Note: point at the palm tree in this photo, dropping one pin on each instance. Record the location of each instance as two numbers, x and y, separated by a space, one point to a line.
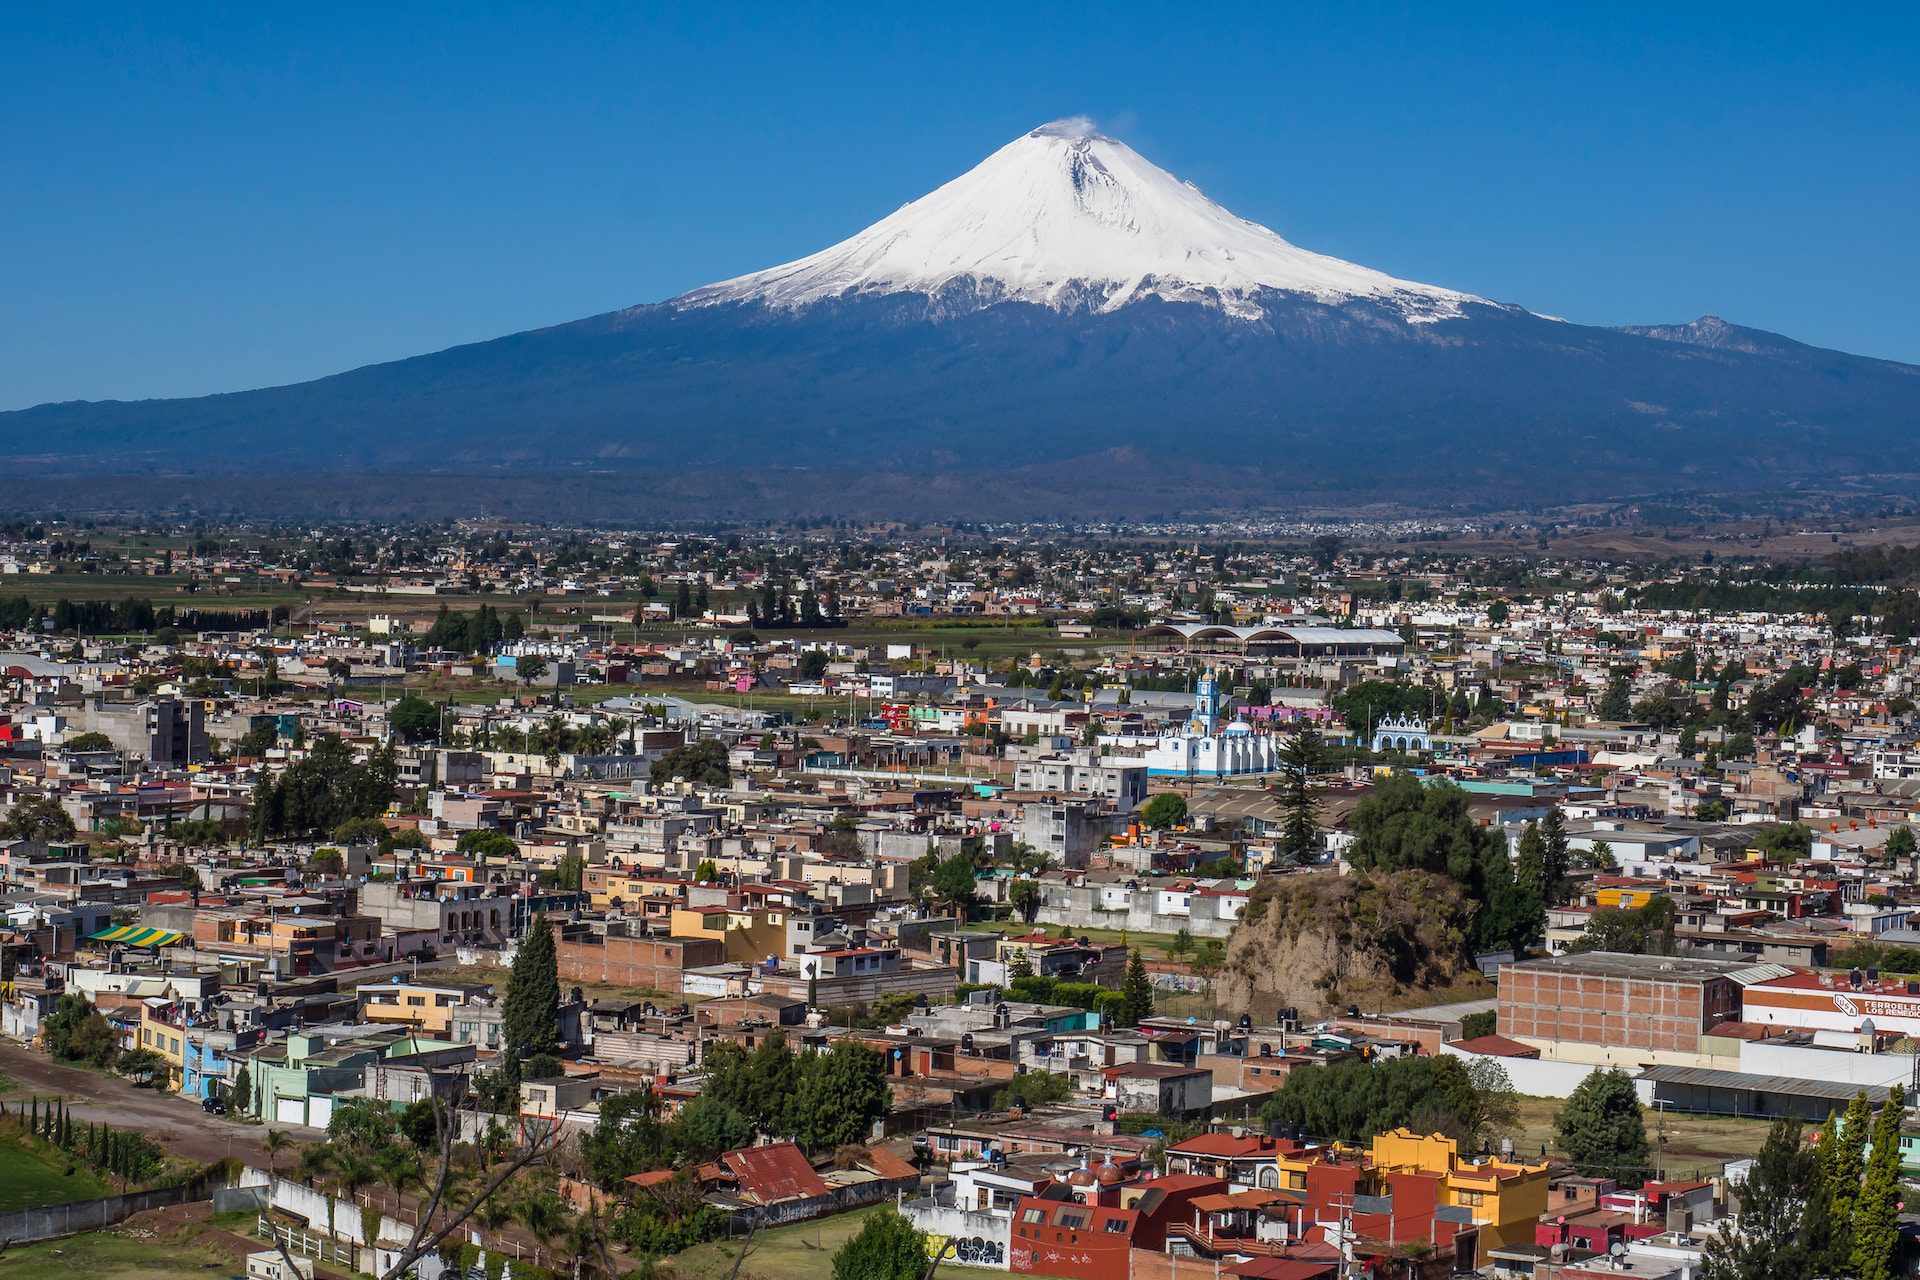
316 1160
543 1214
274 1142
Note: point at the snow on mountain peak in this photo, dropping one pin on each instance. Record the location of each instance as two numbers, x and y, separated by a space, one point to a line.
1068 217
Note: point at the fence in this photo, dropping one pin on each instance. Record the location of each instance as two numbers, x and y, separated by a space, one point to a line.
51 1222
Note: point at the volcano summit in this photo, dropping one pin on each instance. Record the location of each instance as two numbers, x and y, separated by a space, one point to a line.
1064 304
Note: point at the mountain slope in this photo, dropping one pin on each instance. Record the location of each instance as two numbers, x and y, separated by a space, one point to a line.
1063 302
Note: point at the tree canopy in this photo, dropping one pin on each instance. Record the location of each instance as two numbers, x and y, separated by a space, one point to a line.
1602 1131
1406 824
704 761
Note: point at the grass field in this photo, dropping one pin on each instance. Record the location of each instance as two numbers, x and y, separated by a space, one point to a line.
803 1251
1696 1145
497 975
29 1179
111 1254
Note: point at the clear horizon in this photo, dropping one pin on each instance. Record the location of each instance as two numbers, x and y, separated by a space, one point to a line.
212 200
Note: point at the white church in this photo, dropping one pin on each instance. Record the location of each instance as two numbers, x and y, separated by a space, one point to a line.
1202 749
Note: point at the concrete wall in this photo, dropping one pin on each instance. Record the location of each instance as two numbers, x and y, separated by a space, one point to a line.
1537 1078
980 1236
54 1221
1081 908
1867 1069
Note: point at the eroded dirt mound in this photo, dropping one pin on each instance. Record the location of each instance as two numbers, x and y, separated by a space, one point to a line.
1321 941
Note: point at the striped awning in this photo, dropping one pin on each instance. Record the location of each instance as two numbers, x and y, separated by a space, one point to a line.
133 935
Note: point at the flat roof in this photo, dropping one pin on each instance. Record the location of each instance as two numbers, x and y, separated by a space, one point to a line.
1835 1091
1615 964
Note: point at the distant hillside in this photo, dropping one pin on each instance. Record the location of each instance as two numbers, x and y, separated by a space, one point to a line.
1323 941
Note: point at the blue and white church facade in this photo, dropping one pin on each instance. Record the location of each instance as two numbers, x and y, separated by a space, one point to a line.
1203 749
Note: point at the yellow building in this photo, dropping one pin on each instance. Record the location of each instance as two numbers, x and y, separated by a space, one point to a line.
1506 1199
159 1036
427 1007
750 934
1624 899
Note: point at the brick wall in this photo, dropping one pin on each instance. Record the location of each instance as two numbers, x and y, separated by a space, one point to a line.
1638 1012
656 964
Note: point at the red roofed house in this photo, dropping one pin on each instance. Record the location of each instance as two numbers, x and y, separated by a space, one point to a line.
770 1174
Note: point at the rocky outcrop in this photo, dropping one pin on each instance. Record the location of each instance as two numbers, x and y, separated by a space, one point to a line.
1321 941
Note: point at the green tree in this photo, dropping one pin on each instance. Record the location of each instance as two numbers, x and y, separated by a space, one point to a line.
1843 1152
529 667
956 882
887 1247
706 1127
37 817
1407 825
1529 877
1602 1131
1555 859
1137 991
1710 811
838 1096
1616 703
414 719
84 742
1024 897
1876 1213
77 1032
1900 843
530 1012
1784 1229
627 1138
570 872
1299 758
484 842
703 762
1164 811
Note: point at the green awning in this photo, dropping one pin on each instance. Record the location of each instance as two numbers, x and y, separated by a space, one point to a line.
133 935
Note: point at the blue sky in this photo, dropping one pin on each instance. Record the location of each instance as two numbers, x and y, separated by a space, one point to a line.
200 199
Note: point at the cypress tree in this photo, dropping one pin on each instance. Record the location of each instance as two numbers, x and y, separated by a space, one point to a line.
33 1126
1849 1153
1876 1219
1138 991
530 1014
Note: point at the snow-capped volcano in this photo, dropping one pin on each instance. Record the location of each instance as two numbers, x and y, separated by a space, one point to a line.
1072 219
976 352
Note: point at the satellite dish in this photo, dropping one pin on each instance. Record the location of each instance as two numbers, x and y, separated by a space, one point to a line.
1618 1248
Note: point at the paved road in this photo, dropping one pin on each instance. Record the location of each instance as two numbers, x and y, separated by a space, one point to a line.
176 1123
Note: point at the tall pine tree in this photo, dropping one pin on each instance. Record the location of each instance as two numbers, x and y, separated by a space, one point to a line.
1876 1216
1300 822
1530 881
1137 991
1553 861
530 1014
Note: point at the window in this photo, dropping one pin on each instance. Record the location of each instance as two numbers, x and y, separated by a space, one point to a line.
1269 1178
1034 1215
1473 1199
1296 1182
1075 1218
1117 1226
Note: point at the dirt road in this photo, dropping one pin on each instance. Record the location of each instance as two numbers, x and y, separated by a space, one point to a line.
176 1123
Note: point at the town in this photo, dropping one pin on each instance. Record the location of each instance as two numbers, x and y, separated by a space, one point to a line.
1384 899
